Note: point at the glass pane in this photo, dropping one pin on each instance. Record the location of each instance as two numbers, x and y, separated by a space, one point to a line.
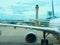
25 9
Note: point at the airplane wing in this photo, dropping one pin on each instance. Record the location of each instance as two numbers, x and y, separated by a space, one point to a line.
44 29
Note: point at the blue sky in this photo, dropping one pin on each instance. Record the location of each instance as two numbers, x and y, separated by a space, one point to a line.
25 9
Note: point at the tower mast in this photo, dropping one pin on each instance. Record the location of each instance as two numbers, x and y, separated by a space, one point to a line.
36 19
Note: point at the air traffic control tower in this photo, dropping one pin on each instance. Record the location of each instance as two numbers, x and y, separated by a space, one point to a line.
36 19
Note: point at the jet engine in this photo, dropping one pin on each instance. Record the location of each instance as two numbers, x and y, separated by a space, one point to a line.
31 37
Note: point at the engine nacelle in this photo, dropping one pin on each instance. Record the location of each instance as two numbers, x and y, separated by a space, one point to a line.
31 37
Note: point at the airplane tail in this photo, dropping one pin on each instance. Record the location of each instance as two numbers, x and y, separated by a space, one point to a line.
53 15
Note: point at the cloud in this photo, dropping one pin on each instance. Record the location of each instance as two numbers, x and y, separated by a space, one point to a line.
26 8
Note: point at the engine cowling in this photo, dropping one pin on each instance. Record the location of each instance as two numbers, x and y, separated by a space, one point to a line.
31 38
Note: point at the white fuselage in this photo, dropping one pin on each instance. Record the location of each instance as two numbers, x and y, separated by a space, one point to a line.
55 23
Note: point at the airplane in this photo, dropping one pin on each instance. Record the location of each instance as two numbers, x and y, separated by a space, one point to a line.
14 33
7 36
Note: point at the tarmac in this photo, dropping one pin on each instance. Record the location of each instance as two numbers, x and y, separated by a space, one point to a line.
17 36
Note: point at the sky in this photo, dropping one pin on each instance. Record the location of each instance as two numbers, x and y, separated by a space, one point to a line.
25 9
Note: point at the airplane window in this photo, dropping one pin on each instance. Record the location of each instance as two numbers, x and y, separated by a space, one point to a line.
25 10
19 17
